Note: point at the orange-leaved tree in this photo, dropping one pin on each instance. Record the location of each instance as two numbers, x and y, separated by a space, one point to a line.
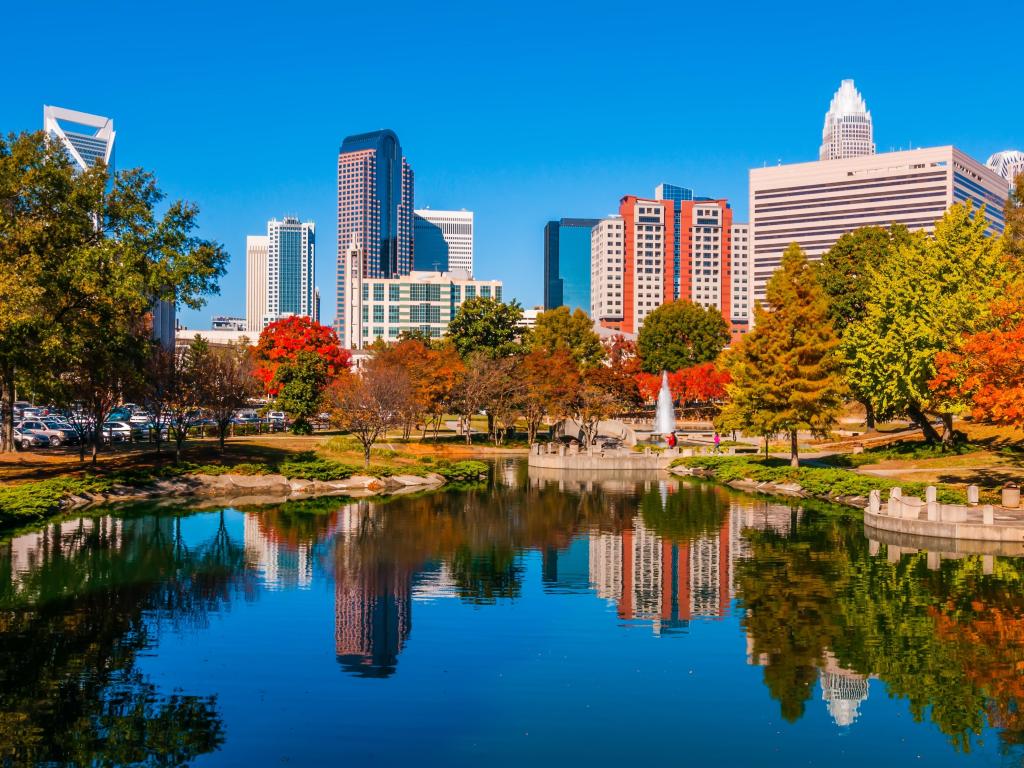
283 340
985 374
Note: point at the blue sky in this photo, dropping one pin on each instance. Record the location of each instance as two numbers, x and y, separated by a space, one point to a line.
521 112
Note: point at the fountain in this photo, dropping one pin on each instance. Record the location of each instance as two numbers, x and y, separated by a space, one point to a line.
665 415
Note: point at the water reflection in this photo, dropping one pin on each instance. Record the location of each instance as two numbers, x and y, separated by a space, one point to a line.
826 614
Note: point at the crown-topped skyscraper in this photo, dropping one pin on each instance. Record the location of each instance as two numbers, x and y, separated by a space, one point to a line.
848 131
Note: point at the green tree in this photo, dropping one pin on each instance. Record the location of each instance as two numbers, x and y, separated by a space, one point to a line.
787 371
300 387
229 384
92 256
845 274
559 329
926 295
1013 235
485 325
679 335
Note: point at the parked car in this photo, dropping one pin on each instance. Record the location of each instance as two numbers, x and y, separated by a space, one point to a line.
27 439
117 431
140 417
57 434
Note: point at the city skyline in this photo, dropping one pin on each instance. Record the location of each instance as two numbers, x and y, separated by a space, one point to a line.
522 154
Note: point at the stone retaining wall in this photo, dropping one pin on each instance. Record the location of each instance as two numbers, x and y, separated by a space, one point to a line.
928 517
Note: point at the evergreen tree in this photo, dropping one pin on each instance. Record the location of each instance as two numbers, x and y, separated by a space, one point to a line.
559 329
485 325
787 371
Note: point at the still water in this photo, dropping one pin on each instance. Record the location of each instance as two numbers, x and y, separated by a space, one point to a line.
534 620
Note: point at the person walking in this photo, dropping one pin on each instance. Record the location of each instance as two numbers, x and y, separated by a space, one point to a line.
718 441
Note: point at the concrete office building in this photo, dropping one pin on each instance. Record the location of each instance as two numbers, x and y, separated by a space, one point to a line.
607 266
255 282
375 209
814 203
848 131
567 264
742 274
443 241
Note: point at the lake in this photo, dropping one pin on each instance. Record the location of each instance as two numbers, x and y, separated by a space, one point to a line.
533 620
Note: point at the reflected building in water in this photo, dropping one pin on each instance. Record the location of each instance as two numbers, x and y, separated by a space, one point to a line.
280 564
66 540
842 690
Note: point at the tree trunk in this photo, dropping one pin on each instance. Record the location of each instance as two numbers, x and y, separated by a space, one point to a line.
468 429
766 446
366 455
794 451
223 436
7 408
869 418
918 417
948 435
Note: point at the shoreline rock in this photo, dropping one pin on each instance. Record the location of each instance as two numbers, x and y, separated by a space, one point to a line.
748 485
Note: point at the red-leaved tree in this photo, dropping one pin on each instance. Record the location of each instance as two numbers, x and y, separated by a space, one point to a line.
284 339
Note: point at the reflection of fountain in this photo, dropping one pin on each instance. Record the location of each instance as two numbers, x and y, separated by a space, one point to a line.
665 414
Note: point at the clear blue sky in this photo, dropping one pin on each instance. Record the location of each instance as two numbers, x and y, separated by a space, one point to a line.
521 112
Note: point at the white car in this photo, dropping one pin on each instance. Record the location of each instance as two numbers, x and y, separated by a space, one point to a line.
140 418
117 431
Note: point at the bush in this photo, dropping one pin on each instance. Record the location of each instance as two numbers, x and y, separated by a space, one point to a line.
461 471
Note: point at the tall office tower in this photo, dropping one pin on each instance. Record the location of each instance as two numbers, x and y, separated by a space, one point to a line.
375 210
672 192
86 138
814 203
291 275
567 263
1009 164
255 282
848 131
705 256
647 236
607 266
443 241
316 304
742 272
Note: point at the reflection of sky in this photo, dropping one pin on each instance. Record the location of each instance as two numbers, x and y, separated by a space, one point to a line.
554 676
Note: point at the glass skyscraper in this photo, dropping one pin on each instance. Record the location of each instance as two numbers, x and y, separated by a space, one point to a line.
291 273
375 207
567 263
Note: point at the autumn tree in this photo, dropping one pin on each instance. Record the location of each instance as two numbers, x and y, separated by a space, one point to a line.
680 334
550 380
283 340
369 403
559 329
229 384
185 390
786 373
926 296
486 325
597 398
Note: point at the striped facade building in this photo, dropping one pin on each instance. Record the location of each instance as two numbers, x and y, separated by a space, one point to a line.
813 204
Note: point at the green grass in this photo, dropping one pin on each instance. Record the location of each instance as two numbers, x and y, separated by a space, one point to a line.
821 482
908 451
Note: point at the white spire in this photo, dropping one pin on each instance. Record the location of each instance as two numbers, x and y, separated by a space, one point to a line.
848 130
1009 164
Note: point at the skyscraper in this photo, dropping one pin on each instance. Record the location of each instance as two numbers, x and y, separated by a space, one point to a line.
567 263
1009 164
443 241
375 209
255 282
291 273
848 131
86 138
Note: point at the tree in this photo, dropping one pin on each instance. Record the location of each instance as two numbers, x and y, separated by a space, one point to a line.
368 404
299 384
283 340
1013 234
986 372
559 329
474 390
595 400
845 275
158 381
185 389
550 382
485 325
680 334
229 384
786 373
927 295
92 257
